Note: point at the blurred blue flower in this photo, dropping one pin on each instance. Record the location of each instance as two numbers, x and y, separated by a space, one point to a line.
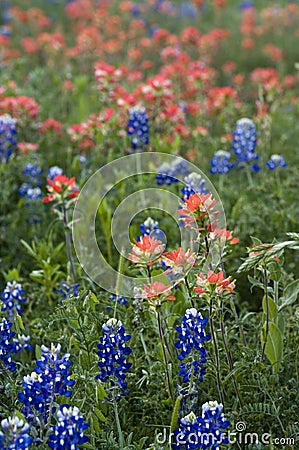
275 161
12 298
113 352
188 9
121 300
69 431
138 128
6 347
191 345
246 4
220 163
33 172
8 134
15 434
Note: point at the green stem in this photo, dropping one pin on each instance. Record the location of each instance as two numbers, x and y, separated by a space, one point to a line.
119 273
164 354
276 292
149 274
68 242
120 434
228 352
267 312
235 312
216 352
189 292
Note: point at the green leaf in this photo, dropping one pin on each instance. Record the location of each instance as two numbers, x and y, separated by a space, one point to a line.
95 423
18 324
38 352
255 282
275 271
12 275
290 295
100 415
272 308
100 393
175 414
255 240
274 345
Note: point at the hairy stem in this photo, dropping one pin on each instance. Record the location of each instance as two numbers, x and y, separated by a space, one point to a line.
164 354
120 434
267 311
68 243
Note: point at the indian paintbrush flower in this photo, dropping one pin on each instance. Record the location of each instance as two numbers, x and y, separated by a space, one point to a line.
146 250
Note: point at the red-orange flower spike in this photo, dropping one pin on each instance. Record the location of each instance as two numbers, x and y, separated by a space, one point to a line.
156 292
196 207
61 187
214 283
146 250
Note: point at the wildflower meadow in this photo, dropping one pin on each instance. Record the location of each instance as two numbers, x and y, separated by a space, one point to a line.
149 235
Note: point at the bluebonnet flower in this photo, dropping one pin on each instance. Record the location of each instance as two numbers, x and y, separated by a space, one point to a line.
54 171
12 298
113 352
68 434
6 347
148 226
194 184
138 128
8 134
33 172
168 173
244 141
21 342
276 161
15 435
220 163
68 290
202 432
49 379
191 345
